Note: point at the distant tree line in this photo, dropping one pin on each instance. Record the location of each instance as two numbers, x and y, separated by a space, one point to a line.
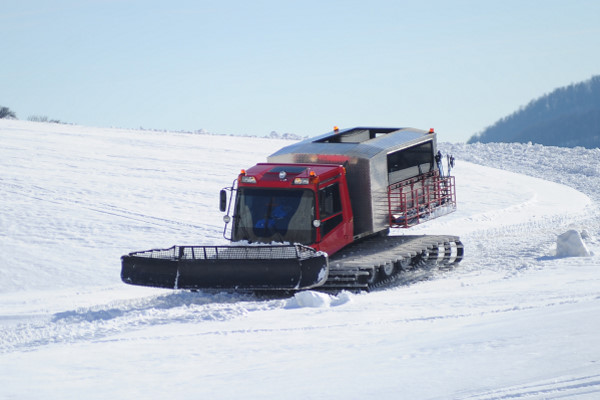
7 113
567 117
42 118
286 136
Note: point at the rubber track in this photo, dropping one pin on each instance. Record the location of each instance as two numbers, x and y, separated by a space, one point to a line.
360 266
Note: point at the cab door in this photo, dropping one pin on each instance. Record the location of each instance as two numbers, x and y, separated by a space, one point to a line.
335 215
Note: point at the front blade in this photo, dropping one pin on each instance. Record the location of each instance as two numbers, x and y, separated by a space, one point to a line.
277 267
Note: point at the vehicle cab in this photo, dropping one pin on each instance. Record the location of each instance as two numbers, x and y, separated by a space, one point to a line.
294 203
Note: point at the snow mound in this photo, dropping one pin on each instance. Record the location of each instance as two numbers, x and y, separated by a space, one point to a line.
570 244
313 299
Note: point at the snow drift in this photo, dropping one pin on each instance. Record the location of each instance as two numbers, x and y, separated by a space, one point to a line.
570 244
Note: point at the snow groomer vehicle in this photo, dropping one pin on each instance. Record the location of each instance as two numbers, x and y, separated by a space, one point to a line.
325 213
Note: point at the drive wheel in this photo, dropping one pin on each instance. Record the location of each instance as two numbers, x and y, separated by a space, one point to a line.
387 270
404 264
374 276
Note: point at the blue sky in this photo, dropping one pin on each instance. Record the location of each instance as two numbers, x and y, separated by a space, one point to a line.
252 67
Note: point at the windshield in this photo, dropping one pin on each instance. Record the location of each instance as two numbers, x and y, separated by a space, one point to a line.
274 215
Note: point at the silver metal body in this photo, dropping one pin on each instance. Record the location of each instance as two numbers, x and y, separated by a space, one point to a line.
366 153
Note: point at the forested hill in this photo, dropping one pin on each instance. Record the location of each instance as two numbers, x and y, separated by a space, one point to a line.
567 117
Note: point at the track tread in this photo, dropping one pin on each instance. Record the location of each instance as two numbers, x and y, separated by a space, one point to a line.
354 267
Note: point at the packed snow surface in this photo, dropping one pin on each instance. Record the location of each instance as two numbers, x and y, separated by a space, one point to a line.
515 320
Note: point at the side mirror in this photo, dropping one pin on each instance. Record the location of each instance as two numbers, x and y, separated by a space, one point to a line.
223 200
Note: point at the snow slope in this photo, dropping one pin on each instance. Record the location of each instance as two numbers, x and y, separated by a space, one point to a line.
512 321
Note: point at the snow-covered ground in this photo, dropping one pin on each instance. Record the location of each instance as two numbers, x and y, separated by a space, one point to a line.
512 321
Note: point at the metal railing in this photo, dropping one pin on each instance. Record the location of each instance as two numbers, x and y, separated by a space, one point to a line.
420 199
234 252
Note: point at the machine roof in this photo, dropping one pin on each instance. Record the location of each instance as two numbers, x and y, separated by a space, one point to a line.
364 142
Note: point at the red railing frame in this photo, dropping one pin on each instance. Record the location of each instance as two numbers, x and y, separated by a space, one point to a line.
421 198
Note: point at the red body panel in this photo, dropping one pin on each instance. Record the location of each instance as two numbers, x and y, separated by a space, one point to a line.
316 177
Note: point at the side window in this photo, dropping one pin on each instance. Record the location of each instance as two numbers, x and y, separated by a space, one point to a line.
329 201
417 156
330 208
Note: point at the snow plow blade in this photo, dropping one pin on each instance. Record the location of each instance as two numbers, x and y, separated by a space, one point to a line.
268 267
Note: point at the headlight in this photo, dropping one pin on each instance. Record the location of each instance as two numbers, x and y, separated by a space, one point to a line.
301 181
248 179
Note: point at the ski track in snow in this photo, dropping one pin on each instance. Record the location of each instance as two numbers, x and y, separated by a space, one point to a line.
76 203
565 387
97 322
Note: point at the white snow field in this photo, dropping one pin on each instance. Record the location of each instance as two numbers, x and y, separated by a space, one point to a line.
512 321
